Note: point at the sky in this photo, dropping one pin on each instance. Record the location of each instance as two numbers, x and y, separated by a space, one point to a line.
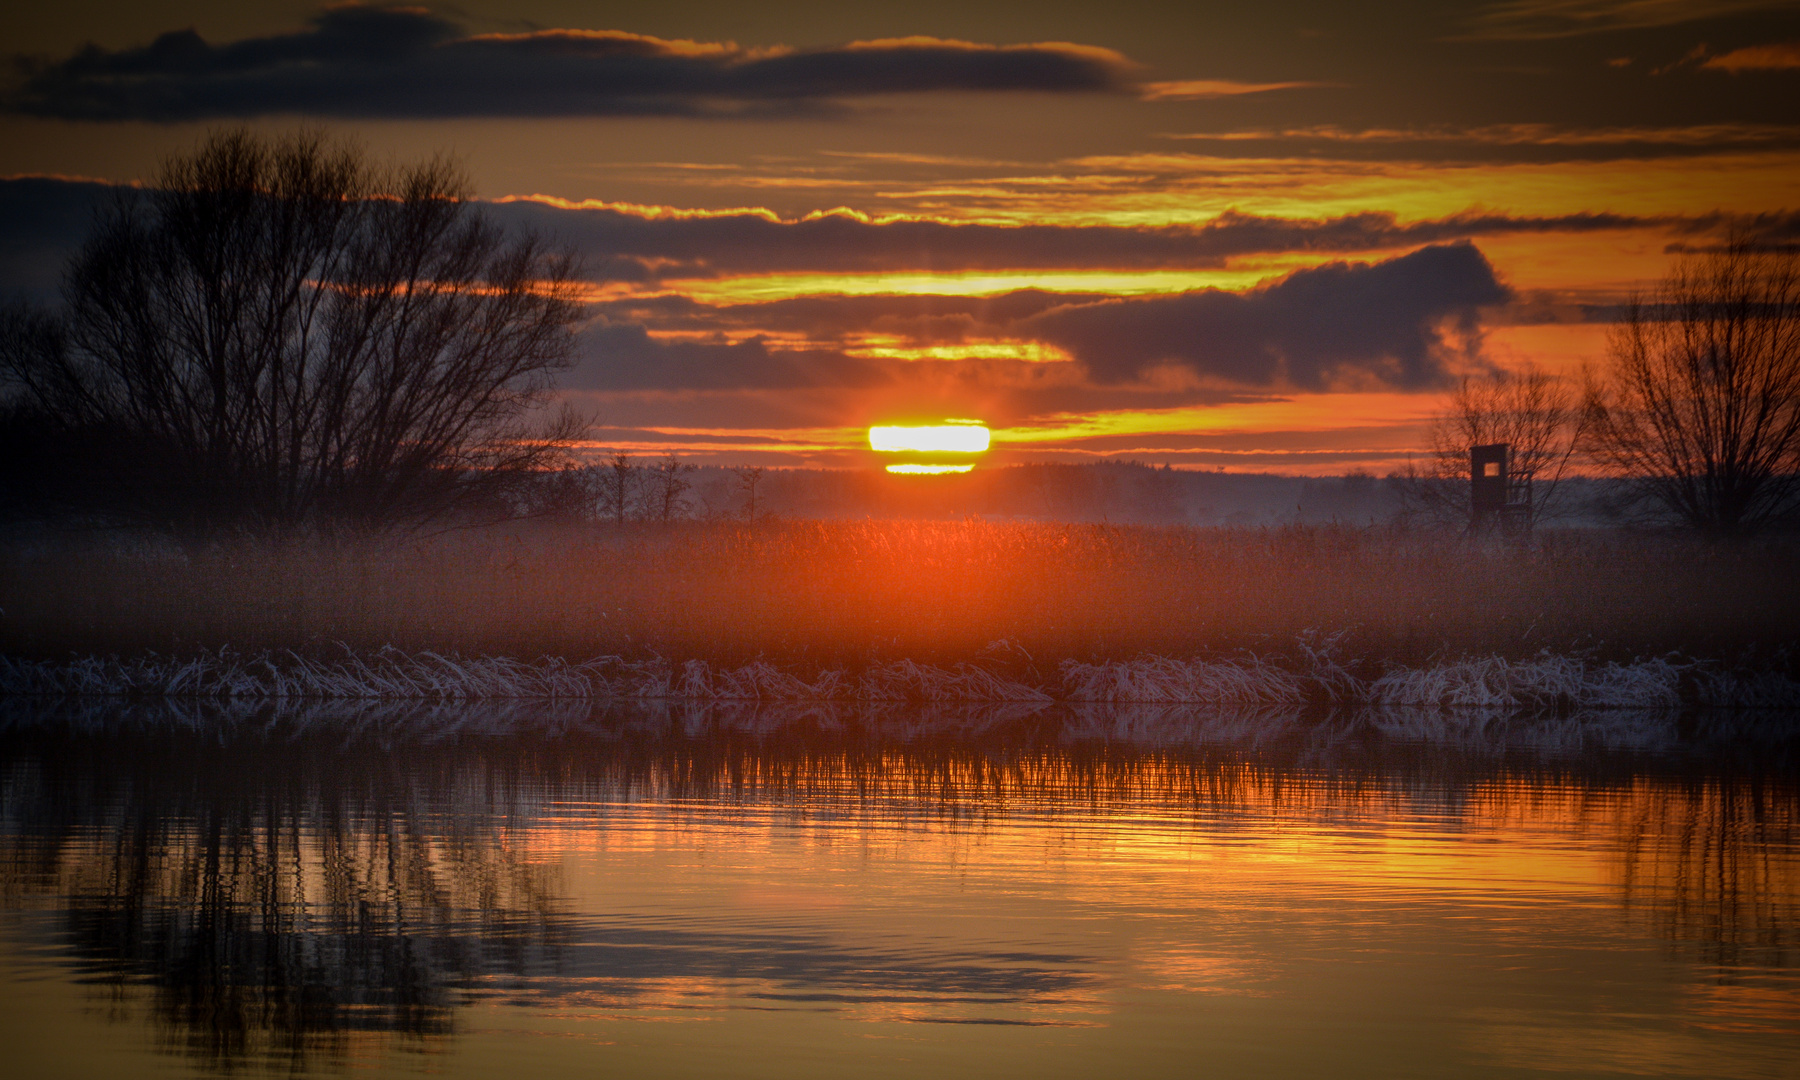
1253 237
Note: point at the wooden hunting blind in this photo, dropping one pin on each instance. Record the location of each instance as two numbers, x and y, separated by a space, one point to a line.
1498 494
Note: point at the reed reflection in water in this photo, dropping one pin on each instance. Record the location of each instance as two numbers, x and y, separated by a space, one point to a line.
1010 889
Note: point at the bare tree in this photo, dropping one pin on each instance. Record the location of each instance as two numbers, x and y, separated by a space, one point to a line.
1533 412
619 481
279 335
669 485
748 477
1699 402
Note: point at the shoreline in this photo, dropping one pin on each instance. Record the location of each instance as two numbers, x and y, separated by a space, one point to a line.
1314 676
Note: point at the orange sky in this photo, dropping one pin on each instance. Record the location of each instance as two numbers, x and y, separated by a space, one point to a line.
1266 239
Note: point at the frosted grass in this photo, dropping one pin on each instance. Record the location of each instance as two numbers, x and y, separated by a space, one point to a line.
1312 675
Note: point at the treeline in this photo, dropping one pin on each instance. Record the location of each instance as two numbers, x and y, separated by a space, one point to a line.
663 489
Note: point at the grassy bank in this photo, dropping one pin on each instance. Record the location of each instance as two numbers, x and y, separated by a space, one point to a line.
1548 682
811 597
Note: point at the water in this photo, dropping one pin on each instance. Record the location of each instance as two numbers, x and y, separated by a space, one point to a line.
484 891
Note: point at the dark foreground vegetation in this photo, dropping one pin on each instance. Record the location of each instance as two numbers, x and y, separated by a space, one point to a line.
280 337
807 595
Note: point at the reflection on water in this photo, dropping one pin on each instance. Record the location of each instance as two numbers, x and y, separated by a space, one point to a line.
336 884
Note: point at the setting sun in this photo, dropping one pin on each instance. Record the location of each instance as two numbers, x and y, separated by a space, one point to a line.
930 449
915 469
950 437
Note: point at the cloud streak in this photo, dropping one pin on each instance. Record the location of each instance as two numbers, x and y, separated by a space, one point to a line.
1782 57
1201 89
43 220
361 61
1500 143
1396 323
1382 323
1537 20
634 245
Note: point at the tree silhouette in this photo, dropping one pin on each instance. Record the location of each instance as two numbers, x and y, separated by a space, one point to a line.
280 336
748 477
669 486
1533 412
1699 403
618 487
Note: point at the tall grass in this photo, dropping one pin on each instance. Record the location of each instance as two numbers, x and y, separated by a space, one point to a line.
808 599
1542 682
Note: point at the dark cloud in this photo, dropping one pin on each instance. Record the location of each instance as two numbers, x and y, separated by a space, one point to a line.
1536 20
44 219
1382 323
628 246
360 61
623 356
927 318
1542 144
1379 322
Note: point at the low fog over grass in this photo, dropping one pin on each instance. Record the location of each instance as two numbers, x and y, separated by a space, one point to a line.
814 596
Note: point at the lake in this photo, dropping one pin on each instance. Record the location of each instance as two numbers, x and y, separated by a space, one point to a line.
682 890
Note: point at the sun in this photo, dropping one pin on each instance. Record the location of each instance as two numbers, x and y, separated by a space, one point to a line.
930 449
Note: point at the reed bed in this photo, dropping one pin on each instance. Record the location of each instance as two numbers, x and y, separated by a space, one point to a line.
809 596
1542 682
915 611
1121 725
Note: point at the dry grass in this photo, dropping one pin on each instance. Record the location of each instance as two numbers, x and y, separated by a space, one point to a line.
1322 736
856 601
1547 682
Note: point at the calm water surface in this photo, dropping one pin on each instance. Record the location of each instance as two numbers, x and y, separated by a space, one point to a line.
491 891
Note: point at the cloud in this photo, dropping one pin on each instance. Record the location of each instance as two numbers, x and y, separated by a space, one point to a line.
623 356
43 220
1536 143
354 60
643 244
1389 323
1533 20
1781 57
1381 322
1198 89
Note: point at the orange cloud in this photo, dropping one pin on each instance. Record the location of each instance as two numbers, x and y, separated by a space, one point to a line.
1780 57
1195 89
621 41
642 210
1537 20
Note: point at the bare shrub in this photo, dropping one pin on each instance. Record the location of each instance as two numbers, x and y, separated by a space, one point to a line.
1699 402
620 484
669 485
1535 413
748 477
278 335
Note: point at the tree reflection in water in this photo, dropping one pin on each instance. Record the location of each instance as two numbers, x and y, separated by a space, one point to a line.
289 881
278 900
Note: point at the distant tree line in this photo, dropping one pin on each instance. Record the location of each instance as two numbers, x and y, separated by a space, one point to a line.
663 489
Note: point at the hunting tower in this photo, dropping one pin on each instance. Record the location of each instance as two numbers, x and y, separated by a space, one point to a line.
1498 494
